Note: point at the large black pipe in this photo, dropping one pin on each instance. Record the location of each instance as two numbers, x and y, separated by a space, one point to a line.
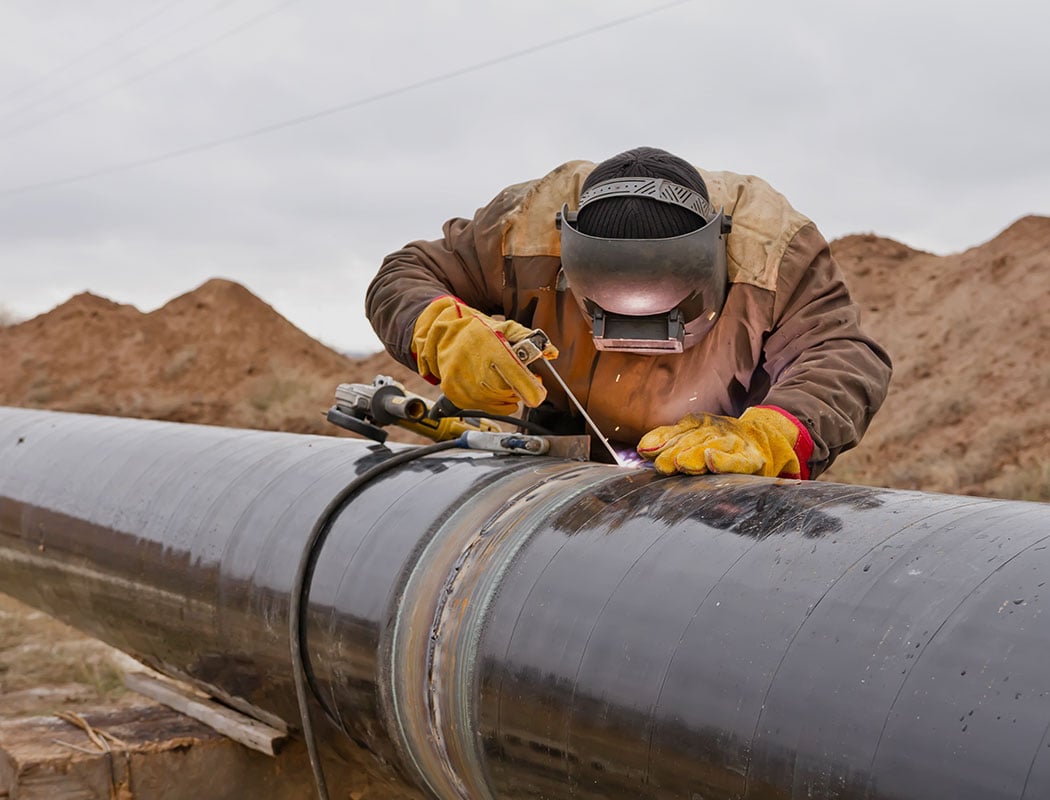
517 627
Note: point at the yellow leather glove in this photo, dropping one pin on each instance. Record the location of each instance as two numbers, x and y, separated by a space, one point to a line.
765 440
469 354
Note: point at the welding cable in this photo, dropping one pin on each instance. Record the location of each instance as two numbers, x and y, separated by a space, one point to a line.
443 407
301 588
520 422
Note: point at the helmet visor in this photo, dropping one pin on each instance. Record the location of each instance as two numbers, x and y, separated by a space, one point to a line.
658 295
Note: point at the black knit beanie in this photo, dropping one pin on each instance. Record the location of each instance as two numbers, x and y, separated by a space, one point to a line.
641 217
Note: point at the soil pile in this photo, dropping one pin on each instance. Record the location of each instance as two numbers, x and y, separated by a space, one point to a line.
968 410
969 333
217 355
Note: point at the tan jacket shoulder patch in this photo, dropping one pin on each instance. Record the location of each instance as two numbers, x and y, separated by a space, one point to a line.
764 223
528 228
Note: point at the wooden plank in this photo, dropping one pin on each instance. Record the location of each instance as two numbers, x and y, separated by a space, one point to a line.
222 719
161 753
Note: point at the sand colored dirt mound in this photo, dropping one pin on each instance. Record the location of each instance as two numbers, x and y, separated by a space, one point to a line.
969 407
217 355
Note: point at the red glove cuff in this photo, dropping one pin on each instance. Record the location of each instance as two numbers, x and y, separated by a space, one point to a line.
803 444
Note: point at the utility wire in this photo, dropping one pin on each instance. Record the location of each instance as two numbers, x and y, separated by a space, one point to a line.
128 56
327 112
90 52
158 67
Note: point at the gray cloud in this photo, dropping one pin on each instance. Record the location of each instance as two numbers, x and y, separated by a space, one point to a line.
919 121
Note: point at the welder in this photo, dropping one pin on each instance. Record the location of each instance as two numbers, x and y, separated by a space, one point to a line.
699 319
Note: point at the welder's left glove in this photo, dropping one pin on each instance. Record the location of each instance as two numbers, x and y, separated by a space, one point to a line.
764 440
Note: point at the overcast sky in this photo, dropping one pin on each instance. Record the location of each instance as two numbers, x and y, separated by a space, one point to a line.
146 147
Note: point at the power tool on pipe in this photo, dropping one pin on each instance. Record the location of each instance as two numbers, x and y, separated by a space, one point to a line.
367 409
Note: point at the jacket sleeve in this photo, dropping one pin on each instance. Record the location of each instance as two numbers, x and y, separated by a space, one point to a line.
821 365
465 262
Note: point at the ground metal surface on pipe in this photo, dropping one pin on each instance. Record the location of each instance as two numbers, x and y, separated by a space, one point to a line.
515 627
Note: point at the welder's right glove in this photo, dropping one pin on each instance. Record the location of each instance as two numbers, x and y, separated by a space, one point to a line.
469 354
764 440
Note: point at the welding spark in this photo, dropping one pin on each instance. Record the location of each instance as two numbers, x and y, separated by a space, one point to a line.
628 458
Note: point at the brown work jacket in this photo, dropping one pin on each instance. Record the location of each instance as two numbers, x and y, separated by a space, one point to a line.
789 334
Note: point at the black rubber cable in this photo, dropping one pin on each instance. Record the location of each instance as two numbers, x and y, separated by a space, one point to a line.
531 427
300 588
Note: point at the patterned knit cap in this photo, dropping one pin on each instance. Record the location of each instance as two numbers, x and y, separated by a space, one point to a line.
641 217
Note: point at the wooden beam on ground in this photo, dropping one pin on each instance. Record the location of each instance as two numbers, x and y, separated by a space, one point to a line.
222 719
153 752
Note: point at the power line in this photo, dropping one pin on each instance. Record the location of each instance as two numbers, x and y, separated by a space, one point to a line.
158 67
327 112
90 52
87 76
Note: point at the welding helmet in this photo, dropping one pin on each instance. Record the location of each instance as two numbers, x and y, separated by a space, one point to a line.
647 295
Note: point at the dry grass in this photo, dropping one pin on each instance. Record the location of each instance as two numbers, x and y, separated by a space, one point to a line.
1025 482
272 392
38 651
181 362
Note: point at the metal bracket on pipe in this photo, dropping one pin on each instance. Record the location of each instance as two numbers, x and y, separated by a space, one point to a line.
504 442
577 448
